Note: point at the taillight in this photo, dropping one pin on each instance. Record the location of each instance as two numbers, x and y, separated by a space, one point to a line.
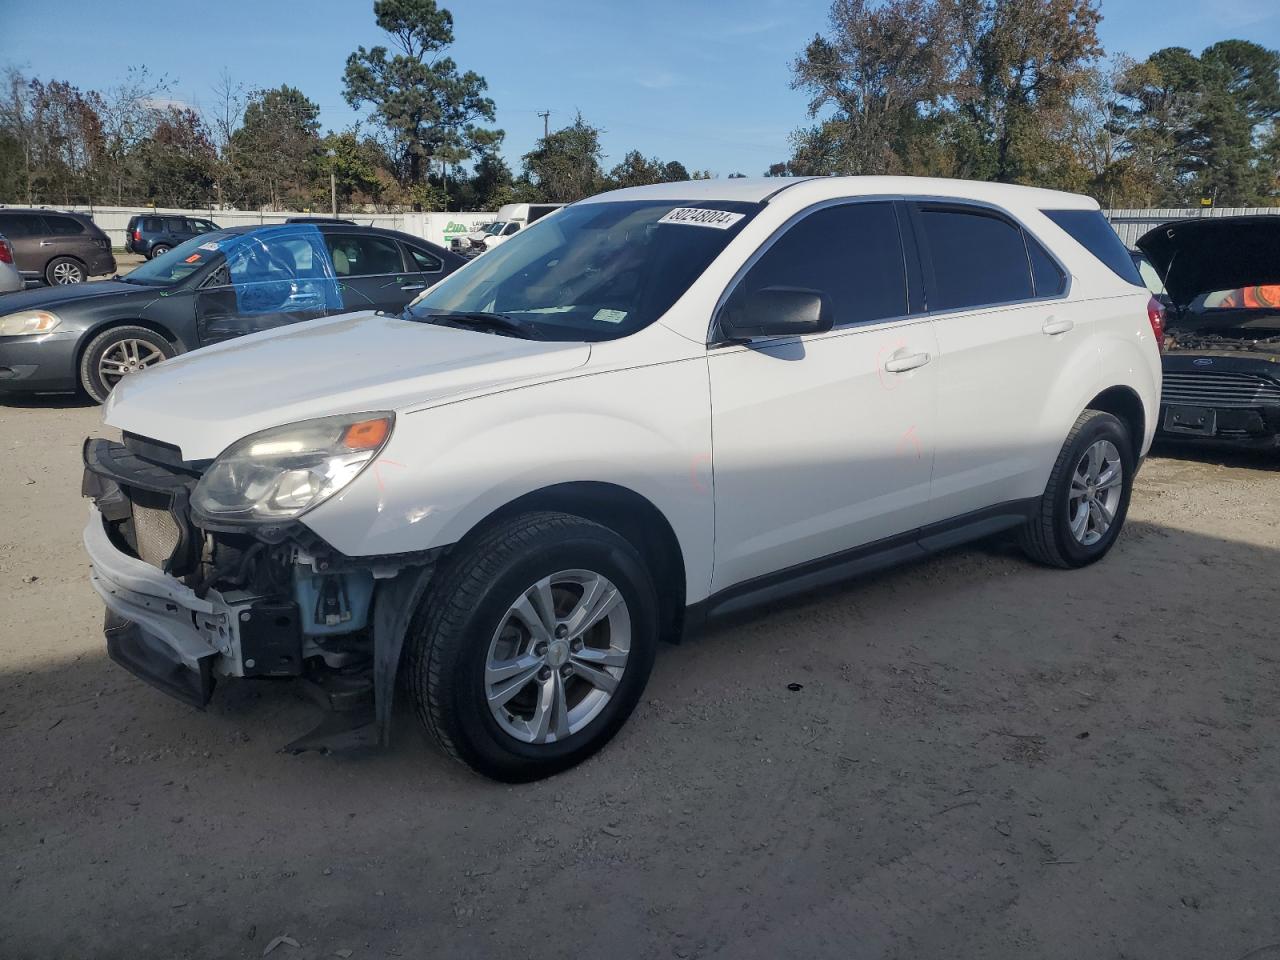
1155 314
6 255
137 235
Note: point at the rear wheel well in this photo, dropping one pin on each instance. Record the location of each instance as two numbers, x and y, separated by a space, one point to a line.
1125 405
632 517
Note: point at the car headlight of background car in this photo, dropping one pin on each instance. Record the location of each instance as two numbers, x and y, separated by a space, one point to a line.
280 473
28 322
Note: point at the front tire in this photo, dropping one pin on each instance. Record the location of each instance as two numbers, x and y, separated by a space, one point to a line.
116 353
534 645
1087 498
64 270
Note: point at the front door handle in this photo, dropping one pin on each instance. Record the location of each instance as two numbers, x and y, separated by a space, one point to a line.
1053 326
908 362
410 287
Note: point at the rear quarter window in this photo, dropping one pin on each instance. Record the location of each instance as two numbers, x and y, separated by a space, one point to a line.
1090 229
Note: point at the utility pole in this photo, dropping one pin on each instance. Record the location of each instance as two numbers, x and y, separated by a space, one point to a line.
333 181
546 128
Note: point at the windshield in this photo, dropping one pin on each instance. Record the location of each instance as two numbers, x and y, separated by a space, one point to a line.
494 228
180 262
594 271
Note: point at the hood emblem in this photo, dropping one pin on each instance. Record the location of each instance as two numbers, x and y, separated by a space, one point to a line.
1203 361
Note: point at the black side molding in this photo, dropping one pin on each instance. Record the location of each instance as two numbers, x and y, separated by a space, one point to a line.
838 567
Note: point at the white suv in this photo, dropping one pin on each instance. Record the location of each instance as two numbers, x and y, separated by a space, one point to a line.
662 404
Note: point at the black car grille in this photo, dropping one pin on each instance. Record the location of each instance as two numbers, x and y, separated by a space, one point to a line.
1231 390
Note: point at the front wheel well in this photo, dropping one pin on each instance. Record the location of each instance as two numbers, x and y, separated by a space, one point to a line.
1125 405
628 514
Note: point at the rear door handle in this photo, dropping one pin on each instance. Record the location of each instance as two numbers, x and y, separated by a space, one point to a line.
909 362
1053 326
409 287
46 243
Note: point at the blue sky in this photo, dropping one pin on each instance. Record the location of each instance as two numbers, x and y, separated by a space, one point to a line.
705 83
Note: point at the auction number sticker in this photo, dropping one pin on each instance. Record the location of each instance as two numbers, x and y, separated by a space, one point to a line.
698 217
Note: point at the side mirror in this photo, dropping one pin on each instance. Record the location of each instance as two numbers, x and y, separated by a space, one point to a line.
776 312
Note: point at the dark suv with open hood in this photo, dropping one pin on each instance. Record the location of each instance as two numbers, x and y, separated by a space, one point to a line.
1222 333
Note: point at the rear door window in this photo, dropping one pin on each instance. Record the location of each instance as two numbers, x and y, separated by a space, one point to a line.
363 256
1090 229
978 259
851 252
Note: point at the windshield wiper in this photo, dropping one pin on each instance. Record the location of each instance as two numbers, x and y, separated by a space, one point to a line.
498 322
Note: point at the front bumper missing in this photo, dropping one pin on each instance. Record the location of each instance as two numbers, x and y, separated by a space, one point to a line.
156 627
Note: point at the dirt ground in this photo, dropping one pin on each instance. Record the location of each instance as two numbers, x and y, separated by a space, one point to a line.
986 759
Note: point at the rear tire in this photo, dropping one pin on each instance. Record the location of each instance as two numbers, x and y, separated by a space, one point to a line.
159 250
1085 503
64 270
116 353
501 675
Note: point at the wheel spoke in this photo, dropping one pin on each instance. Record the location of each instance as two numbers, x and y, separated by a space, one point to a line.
598 600
529 615
1080 521
1103 512
599 679
551 716
601 658
1095 461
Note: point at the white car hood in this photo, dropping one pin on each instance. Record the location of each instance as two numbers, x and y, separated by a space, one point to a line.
205 400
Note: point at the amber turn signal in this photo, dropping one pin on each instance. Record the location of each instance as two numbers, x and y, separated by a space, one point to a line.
367 434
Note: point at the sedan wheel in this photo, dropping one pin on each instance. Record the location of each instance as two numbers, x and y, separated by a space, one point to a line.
558 655
125 357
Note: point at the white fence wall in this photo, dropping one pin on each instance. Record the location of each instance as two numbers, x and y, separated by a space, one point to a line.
436 227
1130 224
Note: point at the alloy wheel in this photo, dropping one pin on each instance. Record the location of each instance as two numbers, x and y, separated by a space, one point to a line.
1096 487
67 273
557 656
125 357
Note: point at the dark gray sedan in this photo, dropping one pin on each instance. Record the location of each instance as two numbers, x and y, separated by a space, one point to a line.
212 288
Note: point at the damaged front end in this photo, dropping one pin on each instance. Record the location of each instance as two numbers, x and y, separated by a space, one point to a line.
191 601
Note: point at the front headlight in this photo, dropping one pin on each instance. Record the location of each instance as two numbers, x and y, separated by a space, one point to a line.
280 473
27 322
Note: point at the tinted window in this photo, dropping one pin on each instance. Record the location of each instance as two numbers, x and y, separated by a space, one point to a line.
1050 281
425 262
64 226
21 225
977 259
1090 229
852 253
153 225
510 229
363 256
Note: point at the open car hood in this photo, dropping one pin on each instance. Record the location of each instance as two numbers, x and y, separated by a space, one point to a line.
1214 253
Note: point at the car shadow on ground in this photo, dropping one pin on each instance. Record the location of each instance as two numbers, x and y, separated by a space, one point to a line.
1221 454
966 757
46 401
